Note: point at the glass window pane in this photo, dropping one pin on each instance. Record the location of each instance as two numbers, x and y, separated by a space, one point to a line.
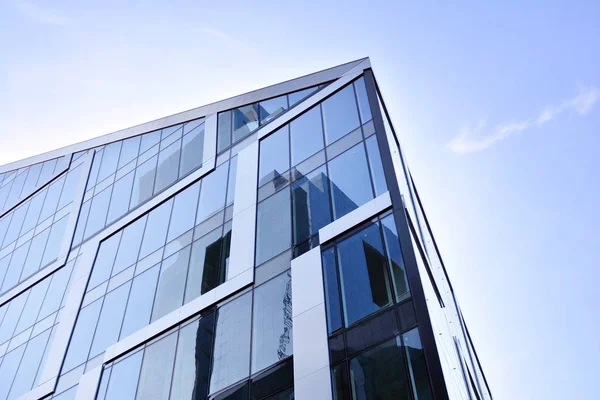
171 283
184 211
168 166
273 231
341 391
231 180
192 362
363 100
71 184
271 108
365 286
11 318
104 260
109 160
119 205
300 95
56 292
350 181
33 305
18 216
55 240
192 150
149 140
224 130
131 240
380 373
143 183
8 370
310 204
52 197
16 267
231 352
97 215
124 378
80 342
340 115
33 213
129 151
156 229
332 291
395 258
306 134
274 158
155 377
376 165
245 120
139 305
212 193
29 365
272 322
36 251
109 324
417 367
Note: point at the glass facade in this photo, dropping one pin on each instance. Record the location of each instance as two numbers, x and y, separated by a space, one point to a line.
128 271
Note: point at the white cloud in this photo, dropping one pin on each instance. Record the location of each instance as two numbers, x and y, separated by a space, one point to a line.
40 14
469 139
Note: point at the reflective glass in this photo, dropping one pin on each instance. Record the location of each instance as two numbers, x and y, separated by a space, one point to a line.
157 366
156 229
340 115
395 258
129 150
55 240
231 351
417 367
310 204
143 183
306 134
273 230
350 181
56 291
15 224
296 97
271 108
168 166
171 283
124 378
231 180
97 215
192 150
272 322
340 382
11 316
16 267
104 260
274 157
224 130
119 204
245 120
332 291
110 160
364 282
8 369
83 333
30 364
33 213
139 305
52 198
36 251
131 240
109 324
379 373
149 140
376 165
71 183
212 193
363 100
32 307
184 207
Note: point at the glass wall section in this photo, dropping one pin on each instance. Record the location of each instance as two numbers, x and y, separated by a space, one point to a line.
18 184
31 234
127 173
27 324
166 258
208 356
236 124
319 167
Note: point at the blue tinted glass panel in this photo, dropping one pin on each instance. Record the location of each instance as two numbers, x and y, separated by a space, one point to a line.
192 150
395 258
55 240
310 203
306 134
109 324
417 365
15 224
129 249
271 108
119 204
245 120
156 229
184 210
231 182
104 260
32 307
363 100
224 130
29 366
36 251
129 151
143 183
70 186
97 215
168 166
80 342
110 160
16 267
149 140
350 181
300 95
157 367
340 115
139 305
376 166
11 316
124 378
56 292
212 193
273 231
274 157
52 198
8 370
171 283
332 292
33 213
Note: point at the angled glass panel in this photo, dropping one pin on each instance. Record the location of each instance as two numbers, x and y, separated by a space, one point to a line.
364 281
71 182
8 370
29 366
55 240
184 211
274 158
15 224
149 140
376 166
245 120
110 159
171 283
231 180
124 378
104 260
192 148
157 367
296 97
205 266
272 322
310 204
33 213
139 305
332 291
143 183
350 181
36 251
224 130
156 228
32 307
129 151
306 133
212 193
111 317
395 258
15 267
52 198
340 114
417 367
273 231
98 211
129 249
271 108
33 174
119 203
11 316
56 292
79 345
168 166
363 100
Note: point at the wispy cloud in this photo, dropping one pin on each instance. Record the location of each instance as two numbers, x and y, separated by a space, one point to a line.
225 37
41 14
470 139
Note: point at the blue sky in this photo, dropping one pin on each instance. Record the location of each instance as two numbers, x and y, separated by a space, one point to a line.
497 107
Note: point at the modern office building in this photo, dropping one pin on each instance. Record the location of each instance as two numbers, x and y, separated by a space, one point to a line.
267 246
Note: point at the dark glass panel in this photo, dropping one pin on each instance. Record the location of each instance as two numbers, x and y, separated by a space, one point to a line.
274 158
332 292
363 100
417 366
240 392
337 348
340 115
362 264
395 258
368 333
306 134
341 388
272 380
245 120
380 373
310 204
376 166
408 319
206 270
273 232
272 322
350 181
